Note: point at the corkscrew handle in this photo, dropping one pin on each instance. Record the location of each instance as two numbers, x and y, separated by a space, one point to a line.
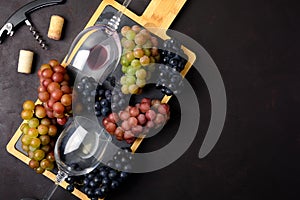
20 16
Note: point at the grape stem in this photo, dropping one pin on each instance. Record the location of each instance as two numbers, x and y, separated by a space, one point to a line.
59 178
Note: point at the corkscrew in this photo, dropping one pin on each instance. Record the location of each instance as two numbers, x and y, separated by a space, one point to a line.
20 16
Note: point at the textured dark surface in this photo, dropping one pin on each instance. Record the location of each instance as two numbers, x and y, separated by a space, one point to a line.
254 44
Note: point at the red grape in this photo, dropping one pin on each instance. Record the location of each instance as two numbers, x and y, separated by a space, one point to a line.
56 94
160 119
142 119
42 88
58 107
134 111
43 96
110 127
60 69
132 121
58 77
62 121
150 115
119 133
163 109
125 125
46 82
113 117
124 115
144 107
137 129
47 73
128 135
66 99
66 89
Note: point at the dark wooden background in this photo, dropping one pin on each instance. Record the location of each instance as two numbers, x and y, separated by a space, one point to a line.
254 43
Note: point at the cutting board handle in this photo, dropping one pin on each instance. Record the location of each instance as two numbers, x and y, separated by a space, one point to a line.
158 13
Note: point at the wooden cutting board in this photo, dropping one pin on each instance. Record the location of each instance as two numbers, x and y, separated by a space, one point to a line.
158 14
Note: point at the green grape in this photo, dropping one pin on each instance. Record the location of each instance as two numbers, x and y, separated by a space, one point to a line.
147 45
26 139
33 132
141 74
140 82
124 30
31 150
45 164
135 63
145 33
130 35
123 40
138 53
33 122
125 61
131 71
130 80
45 139
33 164
152 59
28 105
25 147
39 170
138 47
50 167
42 129
52 130
124 69
136 28
140 39
123 80
133 89
124 89
147 52
35 142
38 154
145 60
46 121
129 56
24 128
26 114
129 44
47 148
126 51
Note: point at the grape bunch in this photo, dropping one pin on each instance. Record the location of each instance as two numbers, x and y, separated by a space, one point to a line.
139 52
104 179
39 133
134 120
173 62
55 91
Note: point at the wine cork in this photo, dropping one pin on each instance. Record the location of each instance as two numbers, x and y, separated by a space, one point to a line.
55 27
25 61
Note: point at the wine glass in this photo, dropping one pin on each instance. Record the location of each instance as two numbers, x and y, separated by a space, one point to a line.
78 150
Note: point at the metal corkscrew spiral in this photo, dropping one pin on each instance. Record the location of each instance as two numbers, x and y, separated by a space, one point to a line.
36 35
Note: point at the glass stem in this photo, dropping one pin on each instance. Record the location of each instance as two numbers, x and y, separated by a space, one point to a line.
115 20
59 178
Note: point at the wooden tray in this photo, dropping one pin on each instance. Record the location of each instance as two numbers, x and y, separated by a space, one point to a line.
160 14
